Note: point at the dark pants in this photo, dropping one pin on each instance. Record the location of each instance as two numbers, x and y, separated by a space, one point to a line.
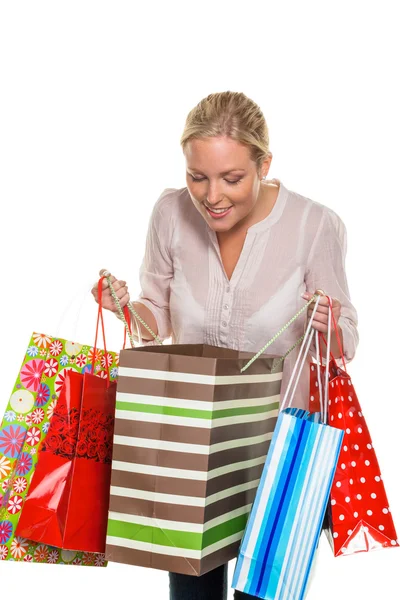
210 586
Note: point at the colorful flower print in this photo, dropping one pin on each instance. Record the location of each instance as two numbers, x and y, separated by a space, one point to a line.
33 436
32 351
22 402
14 504
5 467
56 348
31 374
10 416
6 529
41 340
11 440
24 464
43 395
19 485
50 367
18 547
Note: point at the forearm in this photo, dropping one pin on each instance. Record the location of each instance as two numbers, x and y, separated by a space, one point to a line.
335 349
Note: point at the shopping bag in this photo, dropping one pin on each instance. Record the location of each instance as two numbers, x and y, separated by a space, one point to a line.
282 533
358 517
191 436
67 503
24 427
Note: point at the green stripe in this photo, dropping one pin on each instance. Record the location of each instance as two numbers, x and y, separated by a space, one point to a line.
195 414
211 536
176 539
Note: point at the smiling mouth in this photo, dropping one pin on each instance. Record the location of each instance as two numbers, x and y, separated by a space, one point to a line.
217 210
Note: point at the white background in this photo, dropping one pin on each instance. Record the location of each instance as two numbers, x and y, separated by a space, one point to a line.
93 100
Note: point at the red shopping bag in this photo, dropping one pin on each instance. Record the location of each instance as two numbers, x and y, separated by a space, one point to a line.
67 503
358 516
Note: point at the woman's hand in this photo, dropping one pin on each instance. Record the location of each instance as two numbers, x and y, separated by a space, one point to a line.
120 289
320 321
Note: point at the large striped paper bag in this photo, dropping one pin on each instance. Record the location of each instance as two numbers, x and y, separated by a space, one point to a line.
281 538
190 441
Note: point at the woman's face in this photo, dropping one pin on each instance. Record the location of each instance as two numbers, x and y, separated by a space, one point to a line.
223 182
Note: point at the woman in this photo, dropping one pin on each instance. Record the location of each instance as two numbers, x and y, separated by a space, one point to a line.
231 258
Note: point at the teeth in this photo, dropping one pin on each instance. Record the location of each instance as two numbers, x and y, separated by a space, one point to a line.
219 210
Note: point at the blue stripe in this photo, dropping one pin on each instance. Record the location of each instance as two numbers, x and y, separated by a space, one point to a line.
283 456
282 506
255 508
282 543
334 448
308 519
279 457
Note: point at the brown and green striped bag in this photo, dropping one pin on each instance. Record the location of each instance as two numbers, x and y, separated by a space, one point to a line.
192 430
190 440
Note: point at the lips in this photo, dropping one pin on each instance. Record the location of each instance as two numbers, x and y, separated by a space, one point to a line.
218 215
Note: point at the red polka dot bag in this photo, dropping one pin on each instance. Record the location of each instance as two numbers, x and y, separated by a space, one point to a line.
358 517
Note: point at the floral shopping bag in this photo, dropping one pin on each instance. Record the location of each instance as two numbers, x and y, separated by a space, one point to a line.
24 427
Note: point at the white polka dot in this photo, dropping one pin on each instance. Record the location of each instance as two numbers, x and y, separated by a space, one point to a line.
332 418
312 368
345 448
316 384
360 413
377 478
338 484
342 382
341 517
349 532
343 466
381 527
351 482
336 400
367 463
347 430
340 415
335 535
332 384
353 463
369 512
385 511
393 542
330 402
312 398
359 497
351 414
347 499
356 447
356 514
359 430
364 528
373 496
349 382
333 502
362 479
369 446
337 383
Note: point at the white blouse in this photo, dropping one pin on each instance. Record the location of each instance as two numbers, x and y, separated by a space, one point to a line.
300 246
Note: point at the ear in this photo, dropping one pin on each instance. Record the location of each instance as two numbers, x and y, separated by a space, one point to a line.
266 165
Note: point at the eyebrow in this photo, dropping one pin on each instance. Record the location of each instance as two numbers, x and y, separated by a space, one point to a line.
224 173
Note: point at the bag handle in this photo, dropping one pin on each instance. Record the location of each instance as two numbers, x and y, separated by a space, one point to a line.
136 316
100 320
310 333
282 330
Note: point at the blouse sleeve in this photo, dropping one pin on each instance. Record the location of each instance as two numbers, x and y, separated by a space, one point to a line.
326 270
156 270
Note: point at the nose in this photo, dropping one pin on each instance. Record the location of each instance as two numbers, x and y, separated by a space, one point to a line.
214 196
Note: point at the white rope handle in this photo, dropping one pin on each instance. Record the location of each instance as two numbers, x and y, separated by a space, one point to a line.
308 336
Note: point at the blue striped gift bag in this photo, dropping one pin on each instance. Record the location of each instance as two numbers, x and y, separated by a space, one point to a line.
282 533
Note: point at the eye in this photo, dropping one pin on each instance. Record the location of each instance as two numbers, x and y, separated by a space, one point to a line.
233 182
197 178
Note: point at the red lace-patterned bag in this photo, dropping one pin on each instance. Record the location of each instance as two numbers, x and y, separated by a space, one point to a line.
358 515
67 502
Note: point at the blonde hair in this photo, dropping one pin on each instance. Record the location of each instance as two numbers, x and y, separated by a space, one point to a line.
230 114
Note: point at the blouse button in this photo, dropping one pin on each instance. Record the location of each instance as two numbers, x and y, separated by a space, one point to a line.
228 289
224 323
226 306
